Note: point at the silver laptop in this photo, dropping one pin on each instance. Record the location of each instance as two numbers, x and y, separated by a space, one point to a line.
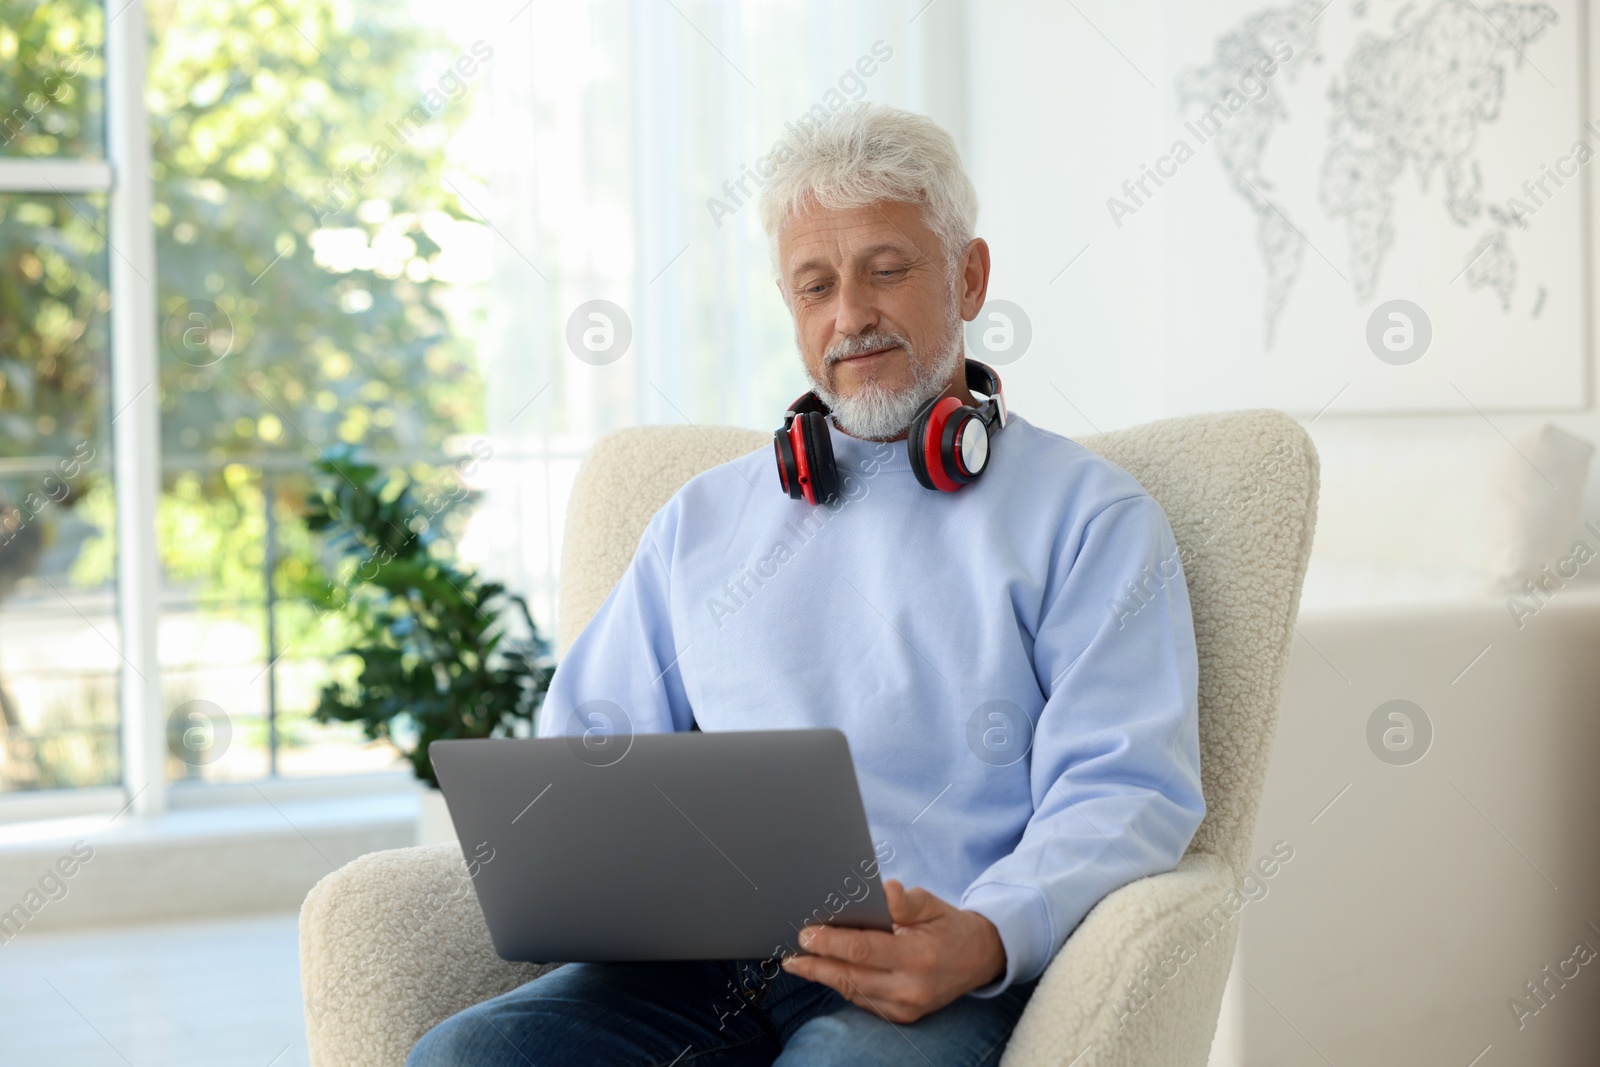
676 846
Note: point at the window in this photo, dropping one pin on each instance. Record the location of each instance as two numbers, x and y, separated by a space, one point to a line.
60 644
242 235
318 288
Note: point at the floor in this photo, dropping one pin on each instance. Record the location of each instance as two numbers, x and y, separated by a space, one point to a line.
220 993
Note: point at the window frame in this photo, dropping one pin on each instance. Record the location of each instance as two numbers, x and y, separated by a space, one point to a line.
135 391
123 177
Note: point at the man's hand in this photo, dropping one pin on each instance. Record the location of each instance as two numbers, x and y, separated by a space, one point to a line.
935 954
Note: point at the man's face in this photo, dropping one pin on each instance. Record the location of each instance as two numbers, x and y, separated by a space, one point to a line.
877 319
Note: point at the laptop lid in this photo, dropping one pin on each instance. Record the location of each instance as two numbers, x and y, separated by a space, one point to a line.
675 846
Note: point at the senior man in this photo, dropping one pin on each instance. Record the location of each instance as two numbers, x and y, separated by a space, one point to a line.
987 610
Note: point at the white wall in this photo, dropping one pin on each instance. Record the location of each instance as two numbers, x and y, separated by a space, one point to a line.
1057 120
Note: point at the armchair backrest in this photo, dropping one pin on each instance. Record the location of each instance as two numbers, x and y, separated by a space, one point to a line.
1240 490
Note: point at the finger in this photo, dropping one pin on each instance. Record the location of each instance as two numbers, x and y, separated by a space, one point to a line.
860 985
894 894
909 906
894 1011
862 948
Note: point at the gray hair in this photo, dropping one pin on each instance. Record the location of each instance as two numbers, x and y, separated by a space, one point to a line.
867 153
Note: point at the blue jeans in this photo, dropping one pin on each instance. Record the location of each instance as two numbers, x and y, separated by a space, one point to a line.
722 1013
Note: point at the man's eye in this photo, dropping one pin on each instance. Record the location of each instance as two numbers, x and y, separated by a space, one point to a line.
887 271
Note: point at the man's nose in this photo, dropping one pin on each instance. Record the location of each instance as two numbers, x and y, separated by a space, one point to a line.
856 313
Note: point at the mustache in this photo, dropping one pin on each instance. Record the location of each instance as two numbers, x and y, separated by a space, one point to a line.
856 346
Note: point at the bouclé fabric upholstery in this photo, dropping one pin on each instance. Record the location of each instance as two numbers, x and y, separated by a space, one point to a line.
394 942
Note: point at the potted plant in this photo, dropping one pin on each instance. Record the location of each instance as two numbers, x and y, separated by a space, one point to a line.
442 653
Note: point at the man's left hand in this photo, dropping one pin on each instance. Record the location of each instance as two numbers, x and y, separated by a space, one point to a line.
935 954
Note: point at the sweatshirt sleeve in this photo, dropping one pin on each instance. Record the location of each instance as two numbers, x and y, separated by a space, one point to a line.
621 674
1115 762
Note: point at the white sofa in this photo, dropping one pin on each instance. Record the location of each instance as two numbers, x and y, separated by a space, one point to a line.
1424 898
1423 895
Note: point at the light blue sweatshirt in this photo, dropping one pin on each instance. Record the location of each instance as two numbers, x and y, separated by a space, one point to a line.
1013 664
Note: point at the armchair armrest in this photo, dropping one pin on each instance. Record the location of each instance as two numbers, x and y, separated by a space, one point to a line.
1140 980
391 944
394 942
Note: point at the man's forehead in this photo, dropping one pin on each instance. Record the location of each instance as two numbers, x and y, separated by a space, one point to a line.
823 234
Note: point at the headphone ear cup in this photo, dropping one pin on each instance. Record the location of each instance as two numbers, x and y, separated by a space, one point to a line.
954 455
924 439
788 471
819 457
916 437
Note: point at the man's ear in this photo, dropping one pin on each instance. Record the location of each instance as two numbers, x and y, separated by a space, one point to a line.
974 278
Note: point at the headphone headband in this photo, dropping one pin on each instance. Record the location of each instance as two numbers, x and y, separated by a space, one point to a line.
948 442
981 378
808 402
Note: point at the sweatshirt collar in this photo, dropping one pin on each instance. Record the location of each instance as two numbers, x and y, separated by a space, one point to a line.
855 454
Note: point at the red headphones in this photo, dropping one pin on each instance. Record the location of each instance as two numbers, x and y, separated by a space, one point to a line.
948 441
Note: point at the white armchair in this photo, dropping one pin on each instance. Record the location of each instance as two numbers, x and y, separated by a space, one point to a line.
394 942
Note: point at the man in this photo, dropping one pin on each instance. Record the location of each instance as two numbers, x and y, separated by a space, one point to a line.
1011 657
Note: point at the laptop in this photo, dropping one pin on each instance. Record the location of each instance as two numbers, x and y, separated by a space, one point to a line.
674 846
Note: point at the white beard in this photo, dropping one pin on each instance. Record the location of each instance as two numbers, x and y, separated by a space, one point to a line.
879 414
